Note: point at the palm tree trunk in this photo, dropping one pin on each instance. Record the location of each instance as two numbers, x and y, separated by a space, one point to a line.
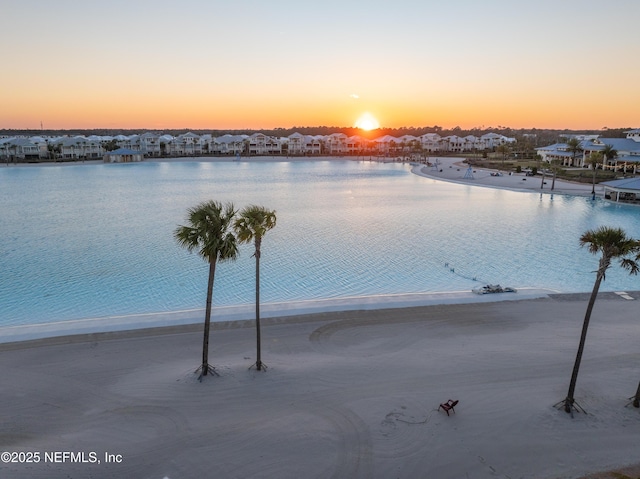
205 368
258 339
636 399
568 402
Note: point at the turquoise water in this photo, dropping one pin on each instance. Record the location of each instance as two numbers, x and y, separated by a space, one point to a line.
87 241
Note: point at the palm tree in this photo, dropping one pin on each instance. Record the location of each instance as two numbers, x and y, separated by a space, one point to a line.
636 398
504 152
573 146
609 153
251 225
595 159
554 169
539 161
14 147
612 243
209 233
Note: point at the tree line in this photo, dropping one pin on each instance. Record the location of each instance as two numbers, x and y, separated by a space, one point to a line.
536 135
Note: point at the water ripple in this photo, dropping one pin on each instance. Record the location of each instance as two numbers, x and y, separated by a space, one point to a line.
97 241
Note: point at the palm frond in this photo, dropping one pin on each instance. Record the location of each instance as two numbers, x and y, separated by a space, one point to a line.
209 231
253 223
612 243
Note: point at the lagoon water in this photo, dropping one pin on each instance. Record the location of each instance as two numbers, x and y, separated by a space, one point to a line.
90 241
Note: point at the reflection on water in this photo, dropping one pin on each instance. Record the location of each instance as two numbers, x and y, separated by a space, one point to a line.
96 240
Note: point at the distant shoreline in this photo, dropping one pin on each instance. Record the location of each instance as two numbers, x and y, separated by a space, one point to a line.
450 169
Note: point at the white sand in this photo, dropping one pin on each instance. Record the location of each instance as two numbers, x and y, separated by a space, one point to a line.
454 170
351 394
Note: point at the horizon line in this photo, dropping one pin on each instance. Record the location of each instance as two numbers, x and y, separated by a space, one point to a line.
482 128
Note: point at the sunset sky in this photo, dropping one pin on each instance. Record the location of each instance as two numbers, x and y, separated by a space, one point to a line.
235 64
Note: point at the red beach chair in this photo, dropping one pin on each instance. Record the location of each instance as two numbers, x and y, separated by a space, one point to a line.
448 406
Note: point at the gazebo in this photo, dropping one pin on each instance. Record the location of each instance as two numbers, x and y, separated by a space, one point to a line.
626 190
123 155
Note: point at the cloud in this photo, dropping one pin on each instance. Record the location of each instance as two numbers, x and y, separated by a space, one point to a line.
354 96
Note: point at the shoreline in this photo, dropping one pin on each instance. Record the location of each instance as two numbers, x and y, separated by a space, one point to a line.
451 169
246 312
346 394
454 170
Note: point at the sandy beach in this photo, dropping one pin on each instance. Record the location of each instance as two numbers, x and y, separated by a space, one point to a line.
348 393
454 170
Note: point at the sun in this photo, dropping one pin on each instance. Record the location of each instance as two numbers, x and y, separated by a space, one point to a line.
367 122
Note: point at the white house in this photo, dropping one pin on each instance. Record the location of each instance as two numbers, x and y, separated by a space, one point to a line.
336 144
356 145
187 144
296 144
229 144
453 143
493 140
261 144
23 149
430 142
149 144
77 147
299 144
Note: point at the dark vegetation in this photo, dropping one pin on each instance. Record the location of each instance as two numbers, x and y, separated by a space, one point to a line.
536 137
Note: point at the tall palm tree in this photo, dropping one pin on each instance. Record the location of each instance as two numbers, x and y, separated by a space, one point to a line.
612 243
210 234
540 168
252 224
554 169
595 159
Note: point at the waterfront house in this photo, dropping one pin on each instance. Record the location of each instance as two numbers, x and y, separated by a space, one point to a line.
187 144
336 143
386 145
22 149
149 144
356 145
71 148
229 144
296 144
261 144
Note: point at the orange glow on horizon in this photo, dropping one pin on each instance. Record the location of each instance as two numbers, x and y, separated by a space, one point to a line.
143 104
153 110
